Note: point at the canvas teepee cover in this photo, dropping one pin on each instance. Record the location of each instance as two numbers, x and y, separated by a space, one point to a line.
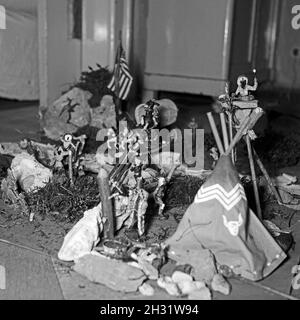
220 220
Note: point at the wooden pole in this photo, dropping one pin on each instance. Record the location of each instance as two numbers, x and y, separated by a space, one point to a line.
70 167
231 134
224 130
215 132
106 203
247 124
267 177
117 81
238 136
253 174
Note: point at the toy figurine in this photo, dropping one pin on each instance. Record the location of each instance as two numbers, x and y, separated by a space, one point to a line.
150 119
159 194
160 190
215 155
242 91
193 124
129 188
75 144
112 139
72 147
138 197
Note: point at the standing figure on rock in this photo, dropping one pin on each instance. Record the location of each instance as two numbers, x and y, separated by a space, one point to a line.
242 91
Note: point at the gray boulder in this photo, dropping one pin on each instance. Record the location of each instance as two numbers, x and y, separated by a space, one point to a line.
67 114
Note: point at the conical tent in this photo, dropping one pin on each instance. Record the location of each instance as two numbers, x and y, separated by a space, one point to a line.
220 220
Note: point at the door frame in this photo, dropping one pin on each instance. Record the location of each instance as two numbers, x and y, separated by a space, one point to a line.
42 54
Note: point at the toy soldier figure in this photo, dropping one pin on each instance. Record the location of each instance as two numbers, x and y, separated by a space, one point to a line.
135 174
151 117
138 197
159 194
112 139
72 150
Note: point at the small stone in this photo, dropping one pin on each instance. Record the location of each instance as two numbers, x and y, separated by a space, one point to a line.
104 116
30 174
148 269
68 113
200 284
146 289
202 261
179 276
186 268
167 284
296 282
186 287
200 294
219 284
114 274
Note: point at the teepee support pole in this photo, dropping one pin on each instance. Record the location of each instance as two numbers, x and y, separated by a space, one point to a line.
238 136
267 177
215 132
254 180
224 130
231 134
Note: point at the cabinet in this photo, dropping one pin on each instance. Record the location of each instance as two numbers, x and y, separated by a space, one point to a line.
195 46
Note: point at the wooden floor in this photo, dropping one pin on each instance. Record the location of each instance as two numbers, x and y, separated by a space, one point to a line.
18 120
27 275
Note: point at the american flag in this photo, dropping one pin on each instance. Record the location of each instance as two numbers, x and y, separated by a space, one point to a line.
121 71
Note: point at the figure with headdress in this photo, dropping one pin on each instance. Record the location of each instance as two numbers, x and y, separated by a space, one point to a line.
242 91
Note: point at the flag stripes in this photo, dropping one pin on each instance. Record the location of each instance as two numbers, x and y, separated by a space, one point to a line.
216 192
125 79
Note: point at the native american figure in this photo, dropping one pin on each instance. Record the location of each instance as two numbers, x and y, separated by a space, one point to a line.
242 91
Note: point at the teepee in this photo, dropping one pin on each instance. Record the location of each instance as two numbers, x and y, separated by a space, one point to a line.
220 220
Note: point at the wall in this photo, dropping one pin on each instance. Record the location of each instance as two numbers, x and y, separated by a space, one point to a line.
188 45
27 6
288 44
60 56
19 51
98 33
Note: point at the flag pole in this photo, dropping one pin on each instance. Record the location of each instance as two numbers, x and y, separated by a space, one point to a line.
117 81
